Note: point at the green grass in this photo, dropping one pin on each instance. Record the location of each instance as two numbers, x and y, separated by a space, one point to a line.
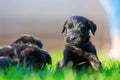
110 71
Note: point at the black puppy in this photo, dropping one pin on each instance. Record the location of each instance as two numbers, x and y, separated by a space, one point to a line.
30 52
79 48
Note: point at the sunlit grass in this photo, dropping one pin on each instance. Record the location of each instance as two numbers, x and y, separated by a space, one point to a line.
110 71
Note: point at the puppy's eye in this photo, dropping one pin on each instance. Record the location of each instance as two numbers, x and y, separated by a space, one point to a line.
79 27
70 26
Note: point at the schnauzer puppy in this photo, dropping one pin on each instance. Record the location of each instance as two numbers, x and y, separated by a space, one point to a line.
78 48
26 49
28 53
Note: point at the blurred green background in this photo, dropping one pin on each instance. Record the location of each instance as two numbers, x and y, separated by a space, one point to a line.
45 19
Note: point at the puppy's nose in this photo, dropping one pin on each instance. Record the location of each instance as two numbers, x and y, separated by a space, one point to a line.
71 37
67 39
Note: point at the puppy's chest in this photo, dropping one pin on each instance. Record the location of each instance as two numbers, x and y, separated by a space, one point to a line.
76 55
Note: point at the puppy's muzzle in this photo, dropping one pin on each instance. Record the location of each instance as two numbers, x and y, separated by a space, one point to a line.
73 38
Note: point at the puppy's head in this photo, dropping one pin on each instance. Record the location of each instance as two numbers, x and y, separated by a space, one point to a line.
76 29
31 57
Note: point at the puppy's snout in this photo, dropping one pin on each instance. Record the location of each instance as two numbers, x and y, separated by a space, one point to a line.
67 39
71 38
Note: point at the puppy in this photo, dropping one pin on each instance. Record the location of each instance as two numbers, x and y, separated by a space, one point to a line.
35 57
30 48
78 48
28 39
28 53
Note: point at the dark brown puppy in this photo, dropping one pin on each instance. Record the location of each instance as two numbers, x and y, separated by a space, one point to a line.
31 49
28 53
28 39
78 47
35 57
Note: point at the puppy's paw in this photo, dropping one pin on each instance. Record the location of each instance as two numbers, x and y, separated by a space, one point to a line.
95 63
60 64
97 66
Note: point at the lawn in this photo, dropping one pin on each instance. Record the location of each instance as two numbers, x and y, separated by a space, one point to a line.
110 71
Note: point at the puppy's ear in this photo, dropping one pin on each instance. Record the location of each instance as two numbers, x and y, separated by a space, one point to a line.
63 30
93 27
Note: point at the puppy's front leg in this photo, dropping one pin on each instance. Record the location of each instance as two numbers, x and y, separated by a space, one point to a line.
94 61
